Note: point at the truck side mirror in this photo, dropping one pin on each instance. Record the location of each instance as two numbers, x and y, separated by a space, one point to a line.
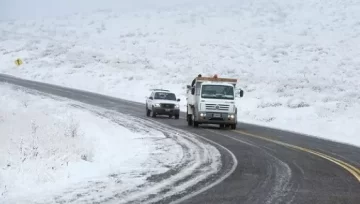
151 98
188 86
178 99
241 93
192 90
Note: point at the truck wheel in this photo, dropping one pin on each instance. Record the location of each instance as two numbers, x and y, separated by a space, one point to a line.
222 126
170 116
189 117
233 126
177 116
187 114
194 123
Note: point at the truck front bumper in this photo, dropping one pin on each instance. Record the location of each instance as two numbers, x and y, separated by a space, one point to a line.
217 118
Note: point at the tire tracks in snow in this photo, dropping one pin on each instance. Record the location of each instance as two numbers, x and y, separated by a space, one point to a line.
200 167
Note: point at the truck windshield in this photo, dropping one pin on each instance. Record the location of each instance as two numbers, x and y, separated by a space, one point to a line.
165 96
217 92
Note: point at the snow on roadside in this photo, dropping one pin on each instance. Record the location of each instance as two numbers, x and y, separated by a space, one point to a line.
47 146
41 141
297 61
57 150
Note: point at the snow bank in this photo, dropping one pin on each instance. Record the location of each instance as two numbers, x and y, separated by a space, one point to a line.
298 61
48 146
41 141
59 151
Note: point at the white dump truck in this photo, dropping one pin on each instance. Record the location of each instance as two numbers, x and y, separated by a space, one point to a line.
212 101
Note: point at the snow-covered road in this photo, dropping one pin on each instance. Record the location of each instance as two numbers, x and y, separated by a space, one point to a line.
55 150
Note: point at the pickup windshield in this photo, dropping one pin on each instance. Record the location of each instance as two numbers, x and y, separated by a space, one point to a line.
217 92
165 96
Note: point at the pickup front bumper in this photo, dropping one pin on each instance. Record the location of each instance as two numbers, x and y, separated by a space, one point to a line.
166 111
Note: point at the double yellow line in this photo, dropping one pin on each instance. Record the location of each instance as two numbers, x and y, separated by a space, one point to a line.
351 169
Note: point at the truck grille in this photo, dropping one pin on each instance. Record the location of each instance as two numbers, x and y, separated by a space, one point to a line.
166 105
220 107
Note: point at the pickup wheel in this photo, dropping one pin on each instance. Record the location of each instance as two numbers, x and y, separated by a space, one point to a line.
177 116
170 116
147 112
153 114
233 126
222 126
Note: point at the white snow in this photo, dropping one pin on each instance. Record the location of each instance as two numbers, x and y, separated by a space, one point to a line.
47 145
298 61
53 149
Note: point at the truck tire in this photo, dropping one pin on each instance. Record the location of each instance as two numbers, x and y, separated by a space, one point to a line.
194 123
187 114
233 126
170 116
222 126
177 116
189 120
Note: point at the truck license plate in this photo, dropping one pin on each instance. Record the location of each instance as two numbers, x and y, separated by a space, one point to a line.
167 110
217 115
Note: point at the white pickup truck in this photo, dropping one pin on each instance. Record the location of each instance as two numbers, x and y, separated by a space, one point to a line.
212 101
162 102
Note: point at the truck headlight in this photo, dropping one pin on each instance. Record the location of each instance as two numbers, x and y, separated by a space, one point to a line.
176 106
157 105
231 116
202 114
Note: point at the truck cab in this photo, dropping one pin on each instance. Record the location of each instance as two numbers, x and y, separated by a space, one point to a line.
212 101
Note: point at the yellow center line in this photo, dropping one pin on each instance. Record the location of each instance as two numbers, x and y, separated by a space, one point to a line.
350 168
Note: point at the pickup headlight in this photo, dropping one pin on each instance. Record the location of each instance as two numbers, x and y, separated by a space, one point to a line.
157 105
177 106
231 116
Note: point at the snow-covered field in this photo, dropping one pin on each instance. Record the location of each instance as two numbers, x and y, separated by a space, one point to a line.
298 61
55 150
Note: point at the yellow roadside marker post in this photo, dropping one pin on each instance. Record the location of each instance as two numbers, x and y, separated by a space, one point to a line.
18 62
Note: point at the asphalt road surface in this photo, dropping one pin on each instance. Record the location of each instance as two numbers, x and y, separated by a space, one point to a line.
273 166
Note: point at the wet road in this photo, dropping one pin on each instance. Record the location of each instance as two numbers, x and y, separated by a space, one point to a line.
271 166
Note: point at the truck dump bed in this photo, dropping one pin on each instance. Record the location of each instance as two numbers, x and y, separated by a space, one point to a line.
213 79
